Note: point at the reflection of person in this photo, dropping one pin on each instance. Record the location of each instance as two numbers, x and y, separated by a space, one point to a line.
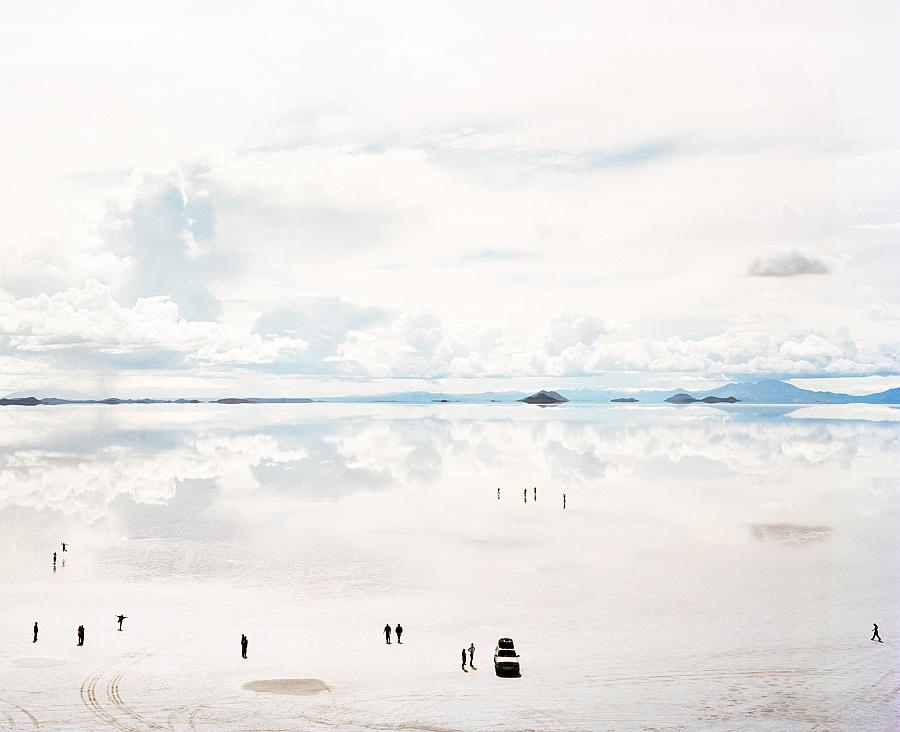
387 633
80 635
399 631
35 632
472 656
244 644
464 660
875 635
121 618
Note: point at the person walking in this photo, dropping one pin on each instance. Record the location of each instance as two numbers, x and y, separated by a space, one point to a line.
64 546
120 619
875 635
244 644
464 660
399 631
387 633
35 632
80 635
472 657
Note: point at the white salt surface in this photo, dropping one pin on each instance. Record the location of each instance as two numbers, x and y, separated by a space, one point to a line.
714 568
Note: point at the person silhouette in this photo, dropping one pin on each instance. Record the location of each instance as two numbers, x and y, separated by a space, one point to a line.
464 660
472 657
399 631
387 633
875 635
64 546
35 632
525 495
244 644
564 500
120 619
54 557
535 493
498 494
80 635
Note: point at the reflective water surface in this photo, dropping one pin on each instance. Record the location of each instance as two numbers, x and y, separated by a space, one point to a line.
714 568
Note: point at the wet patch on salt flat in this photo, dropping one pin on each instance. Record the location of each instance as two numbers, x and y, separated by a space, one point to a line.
792 533
294 687
38 662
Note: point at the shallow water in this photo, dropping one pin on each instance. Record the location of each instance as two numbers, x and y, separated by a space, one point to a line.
715 568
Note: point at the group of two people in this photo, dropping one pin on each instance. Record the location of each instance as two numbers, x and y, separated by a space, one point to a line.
471 650
387 632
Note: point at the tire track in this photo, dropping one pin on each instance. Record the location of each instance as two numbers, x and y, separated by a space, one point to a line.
112 692
33 721
88 694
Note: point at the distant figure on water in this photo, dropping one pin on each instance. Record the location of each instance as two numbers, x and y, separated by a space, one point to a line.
54 557
399 631
35 632
498 494
525 495
464 660
535 493
244 644
472 656
120 619
387 633
64 546
875 635
80 635
564 501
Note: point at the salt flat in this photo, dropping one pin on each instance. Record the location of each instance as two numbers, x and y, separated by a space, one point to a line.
715 568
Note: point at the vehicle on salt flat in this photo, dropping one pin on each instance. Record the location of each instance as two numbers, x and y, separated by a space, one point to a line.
506 660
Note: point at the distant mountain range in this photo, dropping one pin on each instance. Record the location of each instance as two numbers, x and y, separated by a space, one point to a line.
769 391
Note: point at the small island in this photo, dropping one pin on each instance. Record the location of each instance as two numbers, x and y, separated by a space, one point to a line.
624 400
545 397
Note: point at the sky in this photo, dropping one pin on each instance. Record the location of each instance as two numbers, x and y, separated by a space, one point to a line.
332 198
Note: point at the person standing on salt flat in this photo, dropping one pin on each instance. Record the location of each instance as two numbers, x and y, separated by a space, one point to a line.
121 618
564 500
35 632
387 633
399 631
464 660
498 494
535 493
54 557
875 635
80 635
472 657
244 644
525 495
64 546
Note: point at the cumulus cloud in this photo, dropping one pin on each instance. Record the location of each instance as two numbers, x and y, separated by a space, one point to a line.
162 225
90 319
790 262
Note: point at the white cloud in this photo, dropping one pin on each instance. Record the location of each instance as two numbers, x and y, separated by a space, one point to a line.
426 206
790 262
